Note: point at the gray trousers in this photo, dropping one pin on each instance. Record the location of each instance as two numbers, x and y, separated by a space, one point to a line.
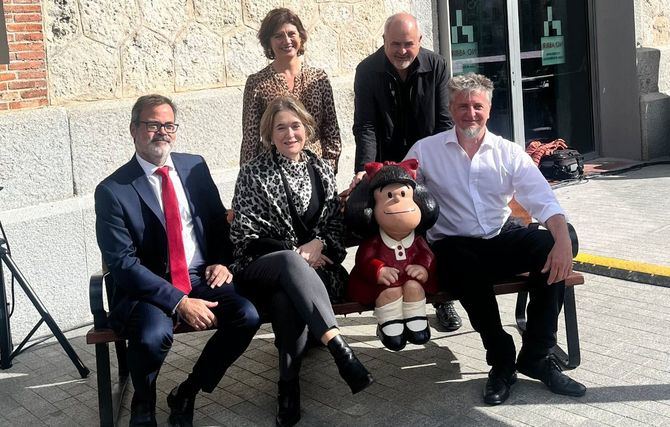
284 284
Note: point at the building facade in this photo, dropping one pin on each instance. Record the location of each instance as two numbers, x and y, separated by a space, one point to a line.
562 69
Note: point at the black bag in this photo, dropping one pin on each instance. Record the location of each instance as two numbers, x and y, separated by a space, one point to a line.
562 164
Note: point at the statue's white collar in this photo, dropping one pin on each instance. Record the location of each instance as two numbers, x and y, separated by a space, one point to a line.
393 243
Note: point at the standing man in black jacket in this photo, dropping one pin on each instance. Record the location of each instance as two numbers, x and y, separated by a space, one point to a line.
400 97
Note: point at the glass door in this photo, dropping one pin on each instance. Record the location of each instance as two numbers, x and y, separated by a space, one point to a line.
536 54
556 72
479 44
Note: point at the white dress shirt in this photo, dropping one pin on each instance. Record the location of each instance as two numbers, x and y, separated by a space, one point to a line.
473 194
194 257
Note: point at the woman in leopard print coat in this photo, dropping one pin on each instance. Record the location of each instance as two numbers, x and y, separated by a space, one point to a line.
262 211
287 233
283 38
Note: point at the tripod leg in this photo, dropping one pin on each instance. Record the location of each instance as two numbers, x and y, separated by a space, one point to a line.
83 370
5 330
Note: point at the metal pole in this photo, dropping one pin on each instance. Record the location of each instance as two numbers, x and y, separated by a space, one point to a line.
5 331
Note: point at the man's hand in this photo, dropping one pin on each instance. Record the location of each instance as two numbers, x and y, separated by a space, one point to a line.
417 272
357 178
311 251
196 312
387 276
217 275
559 260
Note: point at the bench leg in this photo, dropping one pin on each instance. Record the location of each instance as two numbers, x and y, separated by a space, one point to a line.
105 405
520 311
110 398
573 358
122 358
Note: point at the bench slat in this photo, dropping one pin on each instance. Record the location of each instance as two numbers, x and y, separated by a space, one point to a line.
514 285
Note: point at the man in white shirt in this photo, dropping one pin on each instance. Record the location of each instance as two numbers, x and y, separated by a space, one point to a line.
163 234
473 174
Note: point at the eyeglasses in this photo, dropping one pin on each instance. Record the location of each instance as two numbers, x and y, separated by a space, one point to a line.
156 126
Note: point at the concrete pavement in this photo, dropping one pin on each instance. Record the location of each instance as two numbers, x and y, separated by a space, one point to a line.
624 331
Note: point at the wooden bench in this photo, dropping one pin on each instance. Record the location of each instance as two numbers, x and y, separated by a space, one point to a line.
110 397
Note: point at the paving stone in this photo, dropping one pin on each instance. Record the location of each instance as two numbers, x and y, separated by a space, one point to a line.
625 365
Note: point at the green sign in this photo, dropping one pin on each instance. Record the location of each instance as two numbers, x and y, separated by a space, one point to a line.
553 47
4 47
553 50
464 51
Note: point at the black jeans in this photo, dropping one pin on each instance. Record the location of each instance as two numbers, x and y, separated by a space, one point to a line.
296 298
468 267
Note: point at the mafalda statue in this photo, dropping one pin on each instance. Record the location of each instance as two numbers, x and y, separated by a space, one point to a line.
394 265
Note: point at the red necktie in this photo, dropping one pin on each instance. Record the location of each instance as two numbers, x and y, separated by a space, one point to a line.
178 268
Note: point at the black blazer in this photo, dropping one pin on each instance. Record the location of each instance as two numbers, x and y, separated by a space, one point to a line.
130 228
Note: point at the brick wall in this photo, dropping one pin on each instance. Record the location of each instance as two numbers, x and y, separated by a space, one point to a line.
23 83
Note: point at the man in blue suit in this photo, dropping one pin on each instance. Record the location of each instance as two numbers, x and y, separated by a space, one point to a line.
163 234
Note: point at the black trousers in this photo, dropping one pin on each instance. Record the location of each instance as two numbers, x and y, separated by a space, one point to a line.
150 337
468 267
297 300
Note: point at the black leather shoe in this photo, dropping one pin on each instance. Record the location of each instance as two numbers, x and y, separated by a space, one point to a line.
547 370
498 385
417 337
141 413
288 403
181 408
350 368
392 342
447 317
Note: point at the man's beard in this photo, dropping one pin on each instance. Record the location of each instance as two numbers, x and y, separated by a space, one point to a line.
472 131
402 64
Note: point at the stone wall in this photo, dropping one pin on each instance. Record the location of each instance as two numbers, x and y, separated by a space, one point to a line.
652 30
102 54
109 49
652 33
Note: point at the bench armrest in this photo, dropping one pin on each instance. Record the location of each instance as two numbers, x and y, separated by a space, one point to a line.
96 299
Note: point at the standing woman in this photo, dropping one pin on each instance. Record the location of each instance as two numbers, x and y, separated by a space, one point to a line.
283 38
287 233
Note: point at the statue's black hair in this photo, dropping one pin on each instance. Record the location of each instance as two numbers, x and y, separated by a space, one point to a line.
359 212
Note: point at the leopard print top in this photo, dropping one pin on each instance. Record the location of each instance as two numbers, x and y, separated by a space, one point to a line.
312 88
298 180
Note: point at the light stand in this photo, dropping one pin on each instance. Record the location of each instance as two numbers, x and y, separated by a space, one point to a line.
6 353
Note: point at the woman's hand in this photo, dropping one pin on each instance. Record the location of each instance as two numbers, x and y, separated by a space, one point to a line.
217 275
323 260
311 251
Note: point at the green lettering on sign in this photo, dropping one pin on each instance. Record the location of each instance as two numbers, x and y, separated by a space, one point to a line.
464 50
553 51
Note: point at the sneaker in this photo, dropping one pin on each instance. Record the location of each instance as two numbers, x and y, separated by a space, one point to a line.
547 370
447 316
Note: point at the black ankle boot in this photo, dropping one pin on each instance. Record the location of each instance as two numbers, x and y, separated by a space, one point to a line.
351 369
288 403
